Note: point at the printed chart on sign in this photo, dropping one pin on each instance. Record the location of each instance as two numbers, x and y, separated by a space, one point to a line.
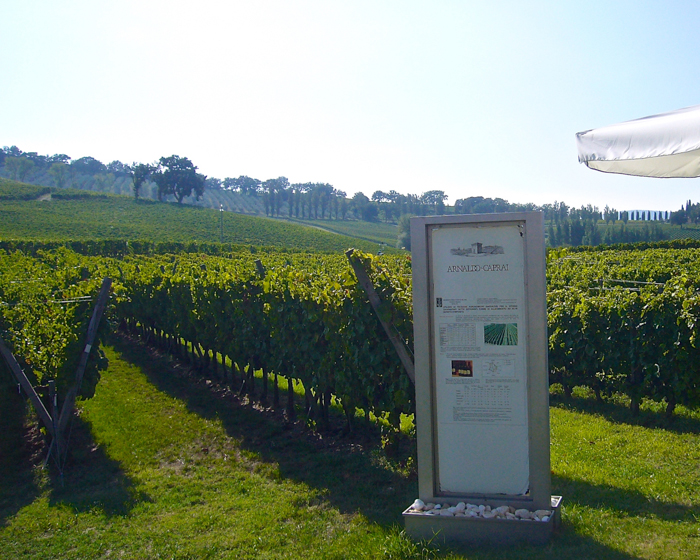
488 404
457 335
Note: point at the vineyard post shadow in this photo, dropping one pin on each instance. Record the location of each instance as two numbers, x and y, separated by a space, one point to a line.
482 397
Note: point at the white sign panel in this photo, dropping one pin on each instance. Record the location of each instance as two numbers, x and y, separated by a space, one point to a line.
479 358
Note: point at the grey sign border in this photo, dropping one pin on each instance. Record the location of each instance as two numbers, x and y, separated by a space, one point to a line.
539 496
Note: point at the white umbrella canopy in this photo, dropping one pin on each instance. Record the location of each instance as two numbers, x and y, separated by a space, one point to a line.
665 145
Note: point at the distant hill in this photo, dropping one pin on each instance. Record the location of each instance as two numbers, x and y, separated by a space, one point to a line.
377 232
44 213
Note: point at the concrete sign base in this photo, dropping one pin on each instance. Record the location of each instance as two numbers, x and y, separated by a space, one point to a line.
473 530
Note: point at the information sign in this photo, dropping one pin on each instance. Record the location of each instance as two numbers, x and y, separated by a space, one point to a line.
480 358
482 415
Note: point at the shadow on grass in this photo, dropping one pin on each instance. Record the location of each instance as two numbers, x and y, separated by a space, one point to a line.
91 480
565 545
21 445
620 413
619 500
348 472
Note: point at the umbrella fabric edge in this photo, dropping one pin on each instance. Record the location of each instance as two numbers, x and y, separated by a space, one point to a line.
682 165
661 145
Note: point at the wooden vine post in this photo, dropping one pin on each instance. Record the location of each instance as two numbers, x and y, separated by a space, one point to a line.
388 326
56 424
69 401
26 385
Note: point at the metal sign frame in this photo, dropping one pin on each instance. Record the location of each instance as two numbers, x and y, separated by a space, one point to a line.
531 224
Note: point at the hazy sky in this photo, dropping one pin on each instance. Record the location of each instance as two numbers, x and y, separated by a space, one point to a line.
473 98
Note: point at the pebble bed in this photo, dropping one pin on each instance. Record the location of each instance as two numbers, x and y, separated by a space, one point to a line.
480 511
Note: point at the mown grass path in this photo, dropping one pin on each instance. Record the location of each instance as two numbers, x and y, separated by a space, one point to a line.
164 467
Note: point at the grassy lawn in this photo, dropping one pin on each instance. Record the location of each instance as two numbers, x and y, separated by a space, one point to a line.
163 467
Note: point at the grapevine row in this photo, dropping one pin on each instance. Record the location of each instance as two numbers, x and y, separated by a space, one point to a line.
620 321
624 321
45 308
304 318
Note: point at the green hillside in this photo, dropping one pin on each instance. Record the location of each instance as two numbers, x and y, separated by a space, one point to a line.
87 215
670 231
378 232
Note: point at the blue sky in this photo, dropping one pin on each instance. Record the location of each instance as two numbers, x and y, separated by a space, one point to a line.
473 98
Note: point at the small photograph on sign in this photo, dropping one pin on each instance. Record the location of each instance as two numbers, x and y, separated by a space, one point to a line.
501 334
478 250
462 368
438 302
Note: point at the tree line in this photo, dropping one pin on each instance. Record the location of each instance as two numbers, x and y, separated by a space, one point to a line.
177 177
174 175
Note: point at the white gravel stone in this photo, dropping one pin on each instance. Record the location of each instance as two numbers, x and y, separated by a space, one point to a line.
482 511
418 505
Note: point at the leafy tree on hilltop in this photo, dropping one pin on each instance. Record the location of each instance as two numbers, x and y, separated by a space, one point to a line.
139 173
213 184
13 151
57 158
178 177
118 168
364 208
88 166
436 199
18 167
404 237
274 192
59 172
246 185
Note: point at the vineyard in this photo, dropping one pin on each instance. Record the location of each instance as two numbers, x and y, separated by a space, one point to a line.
301 316
624 321
294 331
620 321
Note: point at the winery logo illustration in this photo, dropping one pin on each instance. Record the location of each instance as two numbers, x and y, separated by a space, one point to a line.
478 250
